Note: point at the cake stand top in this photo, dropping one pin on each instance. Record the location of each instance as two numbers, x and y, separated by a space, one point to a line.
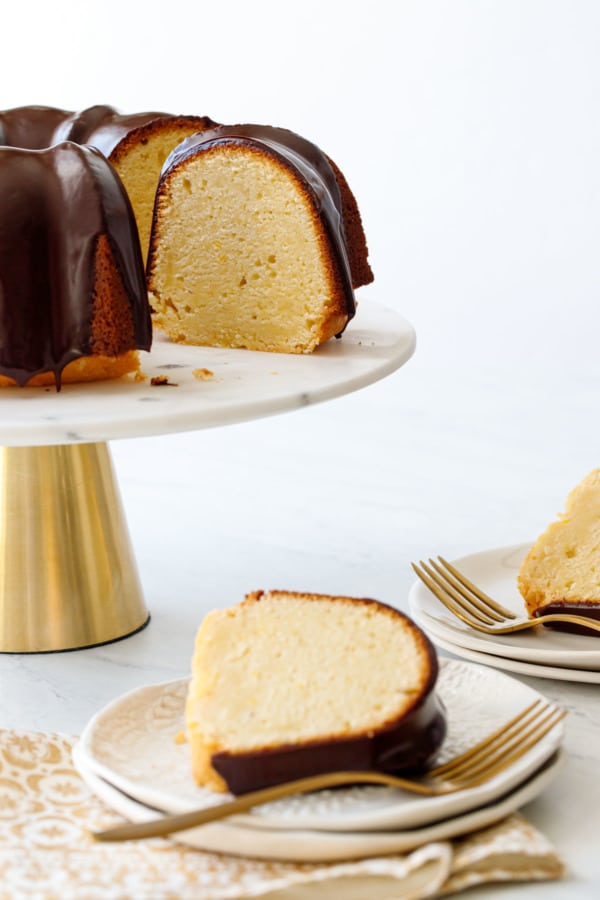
244 385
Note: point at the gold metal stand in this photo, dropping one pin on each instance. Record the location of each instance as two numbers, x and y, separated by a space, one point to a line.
68 576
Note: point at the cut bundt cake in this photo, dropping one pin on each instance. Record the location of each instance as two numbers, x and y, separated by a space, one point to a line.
561 572
257 239
136 145
73 302
256 242
287 685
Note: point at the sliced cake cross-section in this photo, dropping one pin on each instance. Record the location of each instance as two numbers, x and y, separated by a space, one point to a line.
287 685
256 242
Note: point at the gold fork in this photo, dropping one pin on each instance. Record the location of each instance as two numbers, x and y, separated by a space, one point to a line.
475 608
474 767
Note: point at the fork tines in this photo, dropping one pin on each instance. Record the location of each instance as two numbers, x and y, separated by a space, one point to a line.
459 595
504 746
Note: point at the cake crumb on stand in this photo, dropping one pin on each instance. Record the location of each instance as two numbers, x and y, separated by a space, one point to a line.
162 381
203 374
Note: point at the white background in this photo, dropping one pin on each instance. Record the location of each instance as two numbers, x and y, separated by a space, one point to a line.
469 132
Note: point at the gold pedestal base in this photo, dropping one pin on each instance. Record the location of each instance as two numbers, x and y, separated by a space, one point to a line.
68 577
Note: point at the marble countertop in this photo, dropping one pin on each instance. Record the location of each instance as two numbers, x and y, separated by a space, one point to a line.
339 497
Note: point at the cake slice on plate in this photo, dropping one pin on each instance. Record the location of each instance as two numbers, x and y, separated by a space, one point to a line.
561 572
286 685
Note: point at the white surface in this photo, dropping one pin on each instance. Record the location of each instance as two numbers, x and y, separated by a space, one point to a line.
555 673
244 385
322 846
495 572
131 745
479 195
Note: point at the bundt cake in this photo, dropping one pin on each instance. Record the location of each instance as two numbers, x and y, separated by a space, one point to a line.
256 242
561 572
287 685
73 301
136 145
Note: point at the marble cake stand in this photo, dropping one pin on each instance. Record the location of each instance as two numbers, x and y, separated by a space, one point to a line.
68 578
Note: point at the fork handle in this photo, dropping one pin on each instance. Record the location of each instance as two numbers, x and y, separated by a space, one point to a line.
180 822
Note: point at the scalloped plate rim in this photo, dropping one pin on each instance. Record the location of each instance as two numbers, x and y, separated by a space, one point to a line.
517 666
308 845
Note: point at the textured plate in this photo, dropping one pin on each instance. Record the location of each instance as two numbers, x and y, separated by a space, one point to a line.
245 385
495 572
555 673
131 744
321 846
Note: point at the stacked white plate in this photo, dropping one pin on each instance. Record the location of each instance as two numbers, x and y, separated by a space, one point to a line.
132 756
541 651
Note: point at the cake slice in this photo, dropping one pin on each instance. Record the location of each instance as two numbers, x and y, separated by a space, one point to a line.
561 572
256 242
286 685
139 157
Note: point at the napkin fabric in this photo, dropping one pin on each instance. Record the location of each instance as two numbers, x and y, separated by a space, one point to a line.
46 851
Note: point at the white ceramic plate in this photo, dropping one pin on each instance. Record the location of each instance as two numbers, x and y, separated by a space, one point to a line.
321 846
495 572
131 744
245 385
555 673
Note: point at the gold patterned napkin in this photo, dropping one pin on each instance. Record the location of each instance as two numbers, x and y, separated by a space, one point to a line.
46 852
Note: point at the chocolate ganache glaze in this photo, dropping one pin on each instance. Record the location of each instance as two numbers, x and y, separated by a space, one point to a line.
39 127
30 127
401 746
56 204
299 155
590 610
102 127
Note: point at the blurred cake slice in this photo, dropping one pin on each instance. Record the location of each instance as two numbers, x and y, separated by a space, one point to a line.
561 572
286 685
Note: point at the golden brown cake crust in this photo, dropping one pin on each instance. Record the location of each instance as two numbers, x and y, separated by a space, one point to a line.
358 251
112 322
183 124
